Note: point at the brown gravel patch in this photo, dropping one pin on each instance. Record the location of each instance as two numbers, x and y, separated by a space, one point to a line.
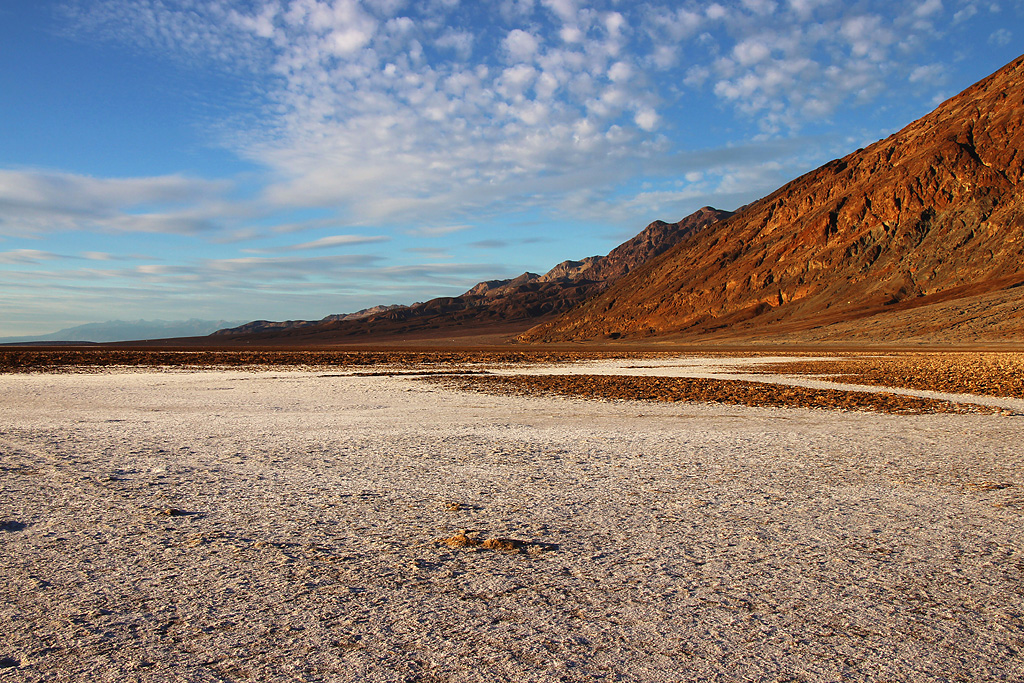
988 374
735 392
86 360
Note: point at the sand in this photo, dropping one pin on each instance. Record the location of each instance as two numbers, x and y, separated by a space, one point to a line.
298 525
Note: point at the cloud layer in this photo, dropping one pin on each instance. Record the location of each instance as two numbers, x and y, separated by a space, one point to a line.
398 111
397 142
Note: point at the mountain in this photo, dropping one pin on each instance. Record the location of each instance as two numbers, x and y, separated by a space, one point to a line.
121 330
257 326
919 236
499 306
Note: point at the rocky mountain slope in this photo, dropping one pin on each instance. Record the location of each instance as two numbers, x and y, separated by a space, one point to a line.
508 306
903 229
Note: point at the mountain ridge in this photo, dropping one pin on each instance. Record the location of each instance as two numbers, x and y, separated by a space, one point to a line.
904 222
512 304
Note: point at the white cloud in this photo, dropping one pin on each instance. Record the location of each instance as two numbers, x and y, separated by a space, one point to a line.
327 243
614 23
966 13
805 8
26 256
751 51
1001 37
520 45
34 202
674 24
461 42
515 9
437 231
760 6
665 56
696 76
647 119
928 73
620 72
566 10
867 36
375 110
715 12
98 256
927 8
571 34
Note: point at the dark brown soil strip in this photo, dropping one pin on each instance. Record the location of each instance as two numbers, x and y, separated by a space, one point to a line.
82 360
701 390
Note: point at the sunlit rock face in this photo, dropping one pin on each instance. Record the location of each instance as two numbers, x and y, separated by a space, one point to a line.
928 216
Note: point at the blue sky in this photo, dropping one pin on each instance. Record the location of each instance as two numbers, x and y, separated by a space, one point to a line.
248 159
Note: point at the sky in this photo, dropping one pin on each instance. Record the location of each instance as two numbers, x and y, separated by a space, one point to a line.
292 159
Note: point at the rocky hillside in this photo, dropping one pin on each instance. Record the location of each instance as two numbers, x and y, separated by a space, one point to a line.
500 305
931 215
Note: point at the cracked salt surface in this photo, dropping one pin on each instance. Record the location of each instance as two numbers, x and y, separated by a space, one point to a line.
686 541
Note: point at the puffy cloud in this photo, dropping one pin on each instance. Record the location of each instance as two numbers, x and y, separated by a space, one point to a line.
674 24
391 111
566 10
716 12
571 34
461 42
964 14
867 36
751 51
620 72
520 45
1001 37
760 6
928 73
647 119
927 8
614 23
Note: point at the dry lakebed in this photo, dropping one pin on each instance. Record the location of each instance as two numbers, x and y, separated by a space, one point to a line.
746 519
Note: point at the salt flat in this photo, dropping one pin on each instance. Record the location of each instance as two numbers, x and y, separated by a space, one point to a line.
283 525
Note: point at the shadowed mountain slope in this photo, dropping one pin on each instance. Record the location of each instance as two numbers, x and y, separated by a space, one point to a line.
500 306
925 217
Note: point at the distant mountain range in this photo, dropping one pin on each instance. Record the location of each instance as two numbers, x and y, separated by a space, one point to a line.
126 330
495 306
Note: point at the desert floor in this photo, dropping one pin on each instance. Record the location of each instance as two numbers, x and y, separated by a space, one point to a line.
317 524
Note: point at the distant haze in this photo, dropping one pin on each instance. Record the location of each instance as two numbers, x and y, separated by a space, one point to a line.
129 330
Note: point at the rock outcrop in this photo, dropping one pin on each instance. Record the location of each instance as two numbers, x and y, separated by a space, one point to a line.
925 217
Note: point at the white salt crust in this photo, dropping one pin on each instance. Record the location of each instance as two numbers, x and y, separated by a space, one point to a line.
265 526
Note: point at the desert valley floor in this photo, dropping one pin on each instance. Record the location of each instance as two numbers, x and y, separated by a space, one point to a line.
387 523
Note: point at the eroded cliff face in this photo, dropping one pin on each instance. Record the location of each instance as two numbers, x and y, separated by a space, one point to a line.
932 213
